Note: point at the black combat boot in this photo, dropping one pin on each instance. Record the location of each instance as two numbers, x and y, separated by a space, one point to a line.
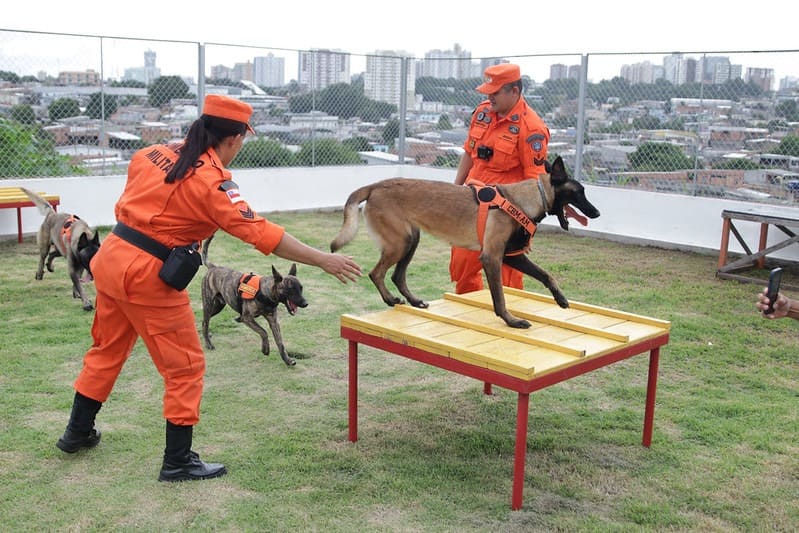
80 431
182 464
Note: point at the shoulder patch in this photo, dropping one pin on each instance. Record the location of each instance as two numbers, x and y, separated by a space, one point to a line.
231 190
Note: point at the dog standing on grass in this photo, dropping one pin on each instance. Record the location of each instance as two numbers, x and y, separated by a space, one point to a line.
67 235
397 209
251 296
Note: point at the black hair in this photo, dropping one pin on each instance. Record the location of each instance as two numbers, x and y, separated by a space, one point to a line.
518 83
205 132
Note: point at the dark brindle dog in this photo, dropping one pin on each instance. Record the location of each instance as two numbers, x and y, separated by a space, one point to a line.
251 296
63 234
398 208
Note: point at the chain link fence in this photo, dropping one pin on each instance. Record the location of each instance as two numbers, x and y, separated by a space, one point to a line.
709 124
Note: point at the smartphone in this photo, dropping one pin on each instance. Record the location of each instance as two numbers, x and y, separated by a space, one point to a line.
774 279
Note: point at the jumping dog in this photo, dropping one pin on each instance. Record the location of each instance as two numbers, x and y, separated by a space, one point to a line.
397 209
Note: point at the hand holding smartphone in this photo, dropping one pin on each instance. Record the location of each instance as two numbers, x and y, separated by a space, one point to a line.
774 280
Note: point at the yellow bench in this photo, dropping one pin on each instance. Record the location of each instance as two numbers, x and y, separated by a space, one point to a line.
14 197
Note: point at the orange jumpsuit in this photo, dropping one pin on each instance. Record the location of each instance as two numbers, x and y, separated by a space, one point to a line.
519 141
132 301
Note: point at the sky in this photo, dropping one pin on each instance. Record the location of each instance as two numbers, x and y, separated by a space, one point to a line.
567 28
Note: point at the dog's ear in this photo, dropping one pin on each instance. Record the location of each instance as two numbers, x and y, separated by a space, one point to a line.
557 172
276 275
96 238
293 269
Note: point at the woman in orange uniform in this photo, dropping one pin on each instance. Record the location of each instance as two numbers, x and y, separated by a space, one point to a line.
174 196
507 143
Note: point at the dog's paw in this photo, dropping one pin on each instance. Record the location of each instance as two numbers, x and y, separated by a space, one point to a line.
421 304
40 275
518 323
88 306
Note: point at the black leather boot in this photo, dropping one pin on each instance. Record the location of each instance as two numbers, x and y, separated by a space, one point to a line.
182 464
80 432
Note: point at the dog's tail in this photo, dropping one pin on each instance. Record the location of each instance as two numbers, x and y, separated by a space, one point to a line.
42 205
350 224
204 252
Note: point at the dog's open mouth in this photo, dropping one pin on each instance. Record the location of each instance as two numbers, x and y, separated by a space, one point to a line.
569 212
291 307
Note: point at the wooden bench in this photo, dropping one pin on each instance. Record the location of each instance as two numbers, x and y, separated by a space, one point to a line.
13 197
780 219
460 333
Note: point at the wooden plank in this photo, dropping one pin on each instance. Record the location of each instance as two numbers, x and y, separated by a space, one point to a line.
552 315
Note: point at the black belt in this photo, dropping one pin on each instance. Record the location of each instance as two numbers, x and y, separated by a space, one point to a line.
141 240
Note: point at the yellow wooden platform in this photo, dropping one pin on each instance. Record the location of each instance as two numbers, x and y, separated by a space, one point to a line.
464 327
14 195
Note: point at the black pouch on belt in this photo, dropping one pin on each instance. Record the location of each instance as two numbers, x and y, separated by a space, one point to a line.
181 266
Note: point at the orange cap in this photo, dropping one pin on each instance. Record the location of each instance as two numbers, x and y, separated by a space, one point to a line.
497 76
225 107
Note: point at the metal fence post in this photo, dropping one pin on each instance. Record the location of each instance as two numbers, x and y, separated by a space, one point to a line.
403 110
578 142
200 77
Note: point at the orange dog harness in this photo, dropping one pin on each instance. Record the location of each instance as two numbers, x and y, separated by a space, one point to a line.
489 197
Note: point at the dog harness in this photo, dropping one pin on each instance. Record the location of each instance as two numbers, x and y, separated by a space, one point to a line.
250 289
66 229
489 197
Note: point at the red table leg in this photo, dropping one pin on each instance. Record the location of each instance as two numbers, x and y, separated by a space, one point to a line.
353 390
487 388
19 224
523 405
651 389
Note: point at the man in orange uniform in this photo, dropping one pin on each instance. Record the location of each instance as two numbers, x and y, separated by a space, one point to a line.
507 143
174 196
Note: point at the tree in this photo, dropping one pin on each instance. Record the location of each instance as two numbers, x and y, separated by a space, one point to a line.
444 122
448 160
659 157
390 131
165 89
322 152
357 144
23 114
737 164
100 106
788 146
788 110
63 108
29 152
263 152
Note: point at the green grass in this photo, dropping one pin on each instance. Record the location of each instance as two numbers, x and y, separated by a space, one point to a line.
434 453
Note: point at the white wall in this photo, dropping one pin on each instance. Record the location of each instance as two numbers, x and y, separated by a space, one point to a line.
667 220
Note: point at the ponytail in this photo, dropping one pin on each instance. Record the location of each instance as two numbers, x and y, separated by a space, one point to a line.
205 132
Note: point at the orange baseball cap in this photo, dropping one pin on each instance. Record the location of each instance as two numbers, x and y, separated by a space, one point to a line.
220 106
497 76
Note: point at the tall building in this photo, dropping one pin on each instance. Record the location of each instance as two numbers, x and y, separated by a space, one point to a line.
444 64
146 74
762 77
675 69
382 80
558 71
644 72
269 71
242 71
321 68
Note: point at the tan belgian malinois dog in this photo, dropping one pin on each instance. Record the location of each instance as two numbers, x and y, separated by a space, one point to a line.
398 208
